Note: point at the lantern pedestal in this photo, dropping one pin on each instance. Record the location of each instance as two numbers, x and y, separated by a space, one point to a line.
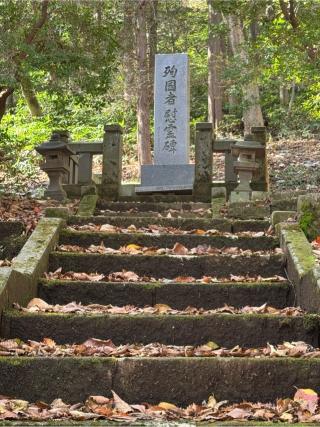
246 167
56 164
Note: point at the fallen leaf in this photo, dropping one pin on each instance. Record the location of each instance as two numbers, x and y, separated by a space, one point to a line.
307 398
120 405
167 406
179 249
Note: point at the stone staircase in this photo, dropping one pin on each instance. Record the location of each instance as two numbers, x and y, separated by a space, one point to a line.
180 380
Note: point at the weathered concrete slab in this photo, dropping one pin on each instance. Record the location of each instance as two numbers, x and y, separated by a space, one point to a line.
176 295
115 240
177 380
72 379
183 223
227 330
160 266
156 206
248 210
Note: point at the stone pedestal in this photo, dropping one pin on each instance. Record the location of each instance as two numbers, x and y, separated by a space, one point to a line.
112 162
203 162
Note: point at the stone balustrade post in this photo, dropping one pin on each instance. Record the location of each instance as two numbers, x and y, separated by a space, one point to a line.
259 134
112 162
85 168
203 162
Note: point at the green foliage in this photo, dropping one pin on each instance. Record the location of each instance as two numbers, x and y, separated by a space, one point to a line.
75 68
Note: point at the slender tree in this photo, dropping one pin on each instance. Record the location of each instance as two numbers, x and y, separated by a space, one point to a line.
252 113
143 84
215 63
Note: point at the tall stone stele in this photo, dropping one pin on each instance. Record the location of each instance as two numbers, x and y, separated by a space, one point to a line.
56 162
171 170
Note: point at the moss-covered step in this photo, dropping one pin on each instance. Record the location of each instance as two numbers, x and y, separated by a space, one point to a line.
221 224
155 214
11 228
183 223
11 246
115 240
176 295
239 225
169 266
227 330
150 206
176 380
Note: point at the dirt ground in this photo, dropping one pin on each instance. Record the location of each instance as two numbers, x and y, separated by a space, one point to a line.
293 164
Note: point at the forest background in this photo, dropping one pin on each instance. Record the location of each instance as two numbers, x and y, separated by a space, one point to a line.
76 65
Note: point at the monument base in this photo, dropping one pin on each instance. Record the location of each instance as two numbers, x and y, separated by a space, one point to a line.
166 178
180 189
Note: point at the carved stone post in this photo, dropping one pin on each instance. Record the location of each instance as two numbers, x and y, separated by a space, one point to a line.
261 180
112 162
85 169
203 162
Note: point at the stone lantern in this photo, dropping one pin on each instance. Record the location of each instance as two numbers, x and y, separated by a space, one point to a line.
56 162
246 166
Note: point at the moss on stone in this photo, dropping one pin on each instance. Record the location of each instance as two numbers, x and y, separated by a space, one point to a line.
309 215
87 205
311 322
301 249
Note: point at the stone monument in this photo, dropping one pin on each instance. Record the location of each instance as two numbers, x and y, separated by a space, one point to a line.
171 170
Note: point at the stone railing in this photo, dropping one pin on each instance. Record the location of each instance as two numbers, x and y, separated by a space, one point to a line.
69 164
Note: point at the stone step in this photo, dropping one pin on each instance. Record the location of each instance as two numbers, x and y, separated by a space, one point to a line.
227 330
176 295
154 214
221 224
151 206
115 240
176 380
169 266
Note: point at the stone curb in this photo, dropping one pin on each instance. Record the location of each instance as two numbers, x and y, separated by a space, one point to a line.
302 268
19 282
87 205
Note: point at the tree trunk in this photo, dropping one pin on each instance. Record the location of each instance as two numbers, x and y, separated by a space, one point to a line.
292 97
5 92
143 102
252 114
215 62
153 41
128 53
284 95
29 94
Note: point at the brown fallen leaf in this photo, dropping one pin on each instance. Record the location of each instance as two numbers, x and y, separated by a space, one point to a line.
37 303
179 249
120 405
